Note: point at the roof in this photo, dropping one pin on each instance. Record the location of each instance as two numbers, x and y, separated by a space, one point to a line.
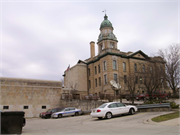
106 23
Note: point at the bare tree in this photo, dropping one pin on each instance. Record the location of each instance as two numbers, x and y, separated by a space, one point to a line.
171 56
130 82
152 77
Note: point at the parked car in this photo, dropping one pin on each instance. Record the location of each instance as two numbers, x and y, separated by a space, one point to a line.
130 97
68 111
142 97
48 113
108 110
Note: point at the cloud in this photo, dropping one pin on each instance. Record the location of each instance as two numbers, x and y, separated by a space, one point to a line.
40 39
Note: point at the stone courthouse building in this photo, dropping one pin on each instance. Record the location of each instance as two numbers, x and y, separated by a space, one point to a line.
93 75
29 95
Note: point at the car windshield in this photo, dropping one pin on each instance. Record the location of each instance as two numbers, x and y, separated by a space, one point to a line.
48 111
60 109
102 106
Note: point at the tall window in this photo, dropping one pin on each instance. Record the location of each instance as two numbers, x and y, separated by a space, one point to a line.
105 66
115 77
140 80
125 79
135 67
143 68
114 64
151 69
99 69
89 83
96 82
144 80
136 81
101 47
105 79
95 70
99 81
124 66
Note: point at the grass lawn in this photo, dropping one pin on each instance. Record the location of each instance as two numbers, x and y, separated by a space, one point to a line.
166 117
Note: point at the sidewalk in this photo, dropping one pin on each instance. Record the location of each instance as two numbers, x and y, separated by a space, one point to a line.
172 122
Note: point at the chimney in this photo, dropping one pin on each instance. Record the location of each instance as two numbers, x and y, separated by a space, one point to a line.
92 48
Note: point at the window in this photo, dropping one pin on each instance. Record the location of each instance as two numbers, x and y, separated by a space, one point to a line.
89 71
135 67
151 69
95 70
99 81
143 68
105 79
119 104
5 107
115 77
43 107
124 66
136 81
114 64
111 45
117 92
67 109
99 69
144 80
101 47
112 105
96 82
105 68
25 107
89 83
140 80
125 79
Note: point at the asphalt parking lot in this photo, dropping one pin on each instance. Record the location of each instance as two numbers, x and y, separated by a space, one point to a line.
86 125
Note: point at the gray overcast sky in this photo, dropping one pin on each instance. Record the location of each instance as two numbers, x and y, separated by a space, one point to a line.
39 39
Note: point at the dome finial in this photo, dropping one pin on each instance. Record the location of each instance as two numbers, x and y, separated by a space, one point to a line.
105 17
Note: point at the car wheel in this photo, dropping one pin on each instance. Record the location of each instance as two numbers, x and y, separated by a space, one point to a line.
108 115
60 116
76 114
100 118
131 111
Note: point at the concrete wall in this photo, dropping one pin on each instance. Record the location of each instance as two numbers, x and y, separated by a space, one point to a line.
18 93
85 105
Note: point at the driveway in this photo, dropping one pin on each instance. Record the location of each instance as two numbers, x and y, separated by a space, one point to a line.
85 125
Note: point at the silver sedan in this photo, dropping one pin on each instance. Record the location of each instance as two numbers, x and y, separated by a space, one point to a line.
69 111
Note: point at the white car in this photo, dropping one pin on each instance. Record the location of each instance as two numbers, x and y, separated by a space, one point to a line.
110 109
68 111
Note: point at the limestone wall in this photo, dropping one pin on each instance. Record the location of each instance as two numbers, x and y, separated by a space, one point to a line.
30 96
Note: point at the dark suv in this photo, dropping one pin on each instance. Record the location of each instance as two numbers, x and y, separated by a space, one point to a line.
48 113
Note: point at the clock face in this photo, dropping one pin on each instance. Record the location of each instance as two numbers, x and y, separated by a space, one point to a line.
105 23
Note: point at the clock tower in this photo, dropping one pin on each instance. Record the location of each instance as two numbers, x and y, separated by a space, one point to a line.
107 40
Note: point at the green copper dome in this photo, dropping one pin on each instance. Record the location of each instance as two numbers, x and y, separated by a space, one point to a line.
106 23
